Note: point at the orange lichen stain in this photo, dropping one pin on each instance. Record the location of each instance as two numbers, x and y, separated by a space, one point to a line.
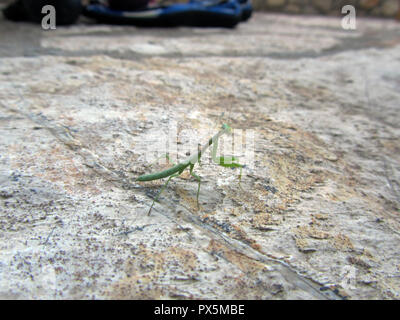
257 247
318 234
310 92
205 217
136 287
243 262
389 146
189 199
156 262
259 206
311 232
264 221
235 212
368 255
186 175
56 164
320 216
301 243
148 271
341 194
342 242
241 235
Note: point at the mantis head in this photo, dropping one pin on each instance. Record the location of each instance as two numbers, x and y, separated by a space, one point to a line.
227 128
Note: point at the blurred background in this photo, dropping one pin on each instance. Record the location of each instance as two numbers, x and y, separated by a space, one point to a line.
375 8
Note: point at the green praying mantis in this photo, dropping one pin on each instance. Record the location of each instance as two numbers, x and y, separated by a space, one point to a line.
176 170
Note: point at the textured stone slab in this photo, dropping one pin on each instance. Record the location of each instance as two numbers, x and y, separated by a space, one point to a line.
82 108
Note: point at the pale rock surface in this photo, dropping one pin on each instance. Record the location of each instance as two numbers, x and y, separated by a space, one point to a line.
82 110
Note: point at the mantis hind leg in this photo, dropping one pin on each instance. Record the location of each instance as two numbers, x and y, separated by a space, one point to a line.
162 189
199 180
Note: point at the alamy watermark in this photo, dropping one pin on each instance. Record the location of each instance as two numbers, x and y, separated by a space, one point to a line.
183 143
49 20
349 20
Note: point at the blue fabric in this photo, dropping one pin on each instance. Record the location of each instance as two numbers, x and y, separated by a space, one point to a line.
222 13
